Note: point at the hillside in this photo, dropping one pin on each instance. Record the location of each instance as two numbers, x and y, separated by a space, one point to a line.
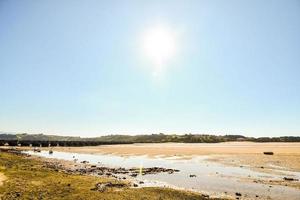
25 138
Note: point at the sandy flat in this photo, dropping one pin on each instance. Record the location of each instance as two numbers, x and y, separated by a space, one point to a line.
171 149
239 153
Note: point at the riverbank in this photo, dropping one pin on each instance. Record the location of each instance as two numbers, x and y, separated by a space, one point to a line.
29 178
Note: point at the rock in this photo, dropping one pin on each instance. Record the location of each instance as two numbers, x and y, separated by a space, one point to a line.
192 175
268 153
289 179
135 185
101 187
238 194
36 150
141 182
206 196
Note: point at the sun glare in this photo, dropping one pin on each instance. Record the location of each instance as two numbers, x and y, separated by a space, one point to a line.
159 45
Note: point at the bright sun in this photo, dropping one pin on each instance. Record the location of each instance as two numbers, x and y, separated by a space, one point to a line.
159 45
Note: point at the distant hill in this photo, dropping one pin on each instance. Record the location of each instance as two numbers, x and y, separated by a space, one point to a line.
121 139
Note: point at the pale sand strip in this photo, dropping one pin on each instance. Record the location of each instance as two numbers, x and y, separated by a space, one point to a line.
171 149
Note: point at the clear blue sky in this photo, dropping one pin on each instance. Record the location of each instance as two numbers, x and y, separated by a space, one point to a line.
75 67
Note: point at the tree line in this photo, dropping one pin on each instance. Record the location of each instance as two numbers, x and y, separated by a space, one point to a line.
54 140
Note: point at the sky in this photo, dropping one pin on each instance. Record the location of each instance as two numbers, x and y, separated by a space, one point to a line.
80 67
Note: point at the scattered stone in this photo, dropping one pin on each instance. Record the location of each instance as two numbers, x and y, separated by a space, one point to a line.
141 182
268 153
135 185
192 175
92 169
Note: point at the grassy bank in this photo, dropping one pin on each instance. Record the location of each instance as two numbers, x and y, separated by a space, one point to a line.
29 179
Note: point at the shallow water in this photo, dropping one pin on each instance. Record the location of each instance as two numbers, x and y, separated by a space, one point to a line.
211 178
